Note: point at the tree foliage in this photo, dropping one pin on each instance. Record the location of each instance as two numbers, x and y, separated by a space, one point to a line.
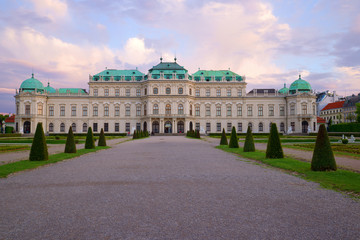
357 112
70 146
39 151
223 140
249 145
89 143
234 142
102 140
323 157
274 149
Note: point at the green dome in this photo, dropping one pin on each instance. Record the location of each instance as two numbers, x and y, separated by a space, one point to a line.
300 85
284 90
31 84
50 89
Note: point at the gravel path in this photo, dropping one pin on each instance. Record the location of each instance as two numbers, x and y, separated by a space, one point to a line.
170 188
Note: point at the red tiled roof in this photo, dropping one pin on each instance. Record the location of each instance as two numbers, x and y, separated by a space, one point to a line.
10 119
333 105
320 120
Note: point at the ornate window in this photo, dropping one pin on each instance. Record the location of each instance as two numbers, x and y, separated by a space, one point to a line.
261 127
127 92
127 111
168 109
249 111
27 109
168 90
106 92
239 127
197 110
208 127
95 111
73 126
260 111
239 92
51 127
228 111
85 127
73 110
190 92
218 111
40 109
138 110
138 92
239 110
218 127
197 92
180 90
51 110
208 111
208 92
228 92
218 92
62 127
84 111
117 92
95 92
155 90
271 110
282 111
180 109
117 110
106 111
304 108
229 126
292 109
62 110
156 109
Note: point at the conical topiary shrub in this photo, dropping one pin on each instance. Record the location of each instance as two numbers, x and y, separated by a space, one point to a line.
249 145
102 140
234 142
70 146
39 151
223 140
89 143
274 149
323 157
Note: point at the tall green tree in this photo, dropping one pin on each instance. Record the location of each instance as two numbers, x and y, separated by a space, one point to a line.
323 156
234 142
39 151
70 146
89 142
102 140
223 140
249 145
274 149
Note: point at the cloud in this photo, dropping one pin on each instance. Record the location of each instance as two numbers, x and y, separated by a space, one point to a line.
136 53
53 9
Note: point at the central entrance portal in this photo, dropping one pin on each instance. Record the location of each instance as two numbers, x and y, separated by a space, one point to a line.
168 127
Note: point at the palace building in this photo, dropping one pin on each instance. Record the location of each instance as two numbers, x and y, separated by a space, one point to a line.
165 100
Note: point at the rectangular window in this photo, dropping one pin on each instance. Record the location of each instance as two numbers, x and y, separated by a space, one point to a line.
145 109
40 109
95 111
239 110
208 127
304 109
229 126
239 93
292 110
106 111
95 127
127 111
117 110
228 111
197 126
282 111
218 127
138 92
228 92
127 127
95 92
197 110
106 127
197 92
51 111
127 92
208 112
271 111
106 92
260 110
208 92
138 110
85 110
249 111
138 126
73 110
62 110
218 92
17 109
117 127
117 92
239 127
218 110
293 126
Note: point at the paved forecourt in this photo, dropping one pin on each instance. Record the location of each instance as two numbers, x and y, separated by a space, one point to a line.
170 188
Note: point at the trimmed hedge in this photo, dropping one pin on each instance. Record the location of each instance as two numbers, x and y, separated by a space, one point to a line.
274 149
223 140
339 134
234 141
323 156
241 134
39 151
249 145
10 135
345 127
89 143
70 146
9 129
84 134
102 140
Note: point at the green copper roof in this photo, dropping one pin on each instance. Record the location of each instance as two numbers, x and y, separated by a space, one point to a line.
50 89
168 68
71 90
299 85
217 74
31 84
117 74
284 90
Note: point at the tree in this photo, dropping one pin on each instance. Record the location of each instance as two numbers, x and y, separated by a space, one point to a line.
102 140
234 142
249 145
357 112
351 117
323 157
223 140
197 134
89 143
39 151
70 146
274 149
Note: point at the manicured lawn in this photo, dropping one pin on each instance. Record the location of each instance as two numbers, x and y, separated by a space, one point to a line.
13 148
14 167
340 180
29 140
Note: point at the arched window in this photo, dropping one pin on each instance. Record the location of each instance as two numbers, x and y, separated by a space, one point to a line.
156 109
85 127
250 125
155 90
73 127
180 90
167 109
180 109
51 127
261 127
62 127
168 90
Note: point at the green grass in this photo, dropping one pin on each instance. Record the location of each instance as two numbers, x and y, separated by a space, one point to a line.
27 140
13 148
340 180
14 167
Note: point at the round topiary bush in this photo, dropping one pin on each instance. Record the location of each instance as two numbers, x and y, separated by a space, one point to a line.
249 145
274 149
344 141
70 146
234 142
223 140
39 151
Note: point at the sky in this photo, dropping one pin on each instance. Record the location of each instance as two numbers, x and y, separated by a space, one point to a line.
270 42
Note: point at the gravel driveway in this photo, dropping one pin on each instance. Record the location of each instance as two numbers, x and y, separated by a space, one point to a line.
170 188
